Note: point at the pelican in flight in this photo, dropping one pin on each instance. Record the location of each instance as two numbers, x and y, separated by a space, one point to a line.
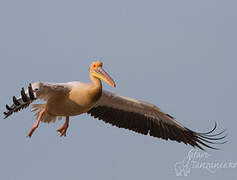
75 98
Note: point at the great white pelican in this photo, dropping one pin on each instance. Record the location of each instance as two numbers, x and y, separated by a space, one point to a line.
75 98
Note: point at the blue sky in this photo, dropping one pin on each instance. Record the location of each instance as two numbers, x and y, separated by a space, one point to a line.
179 55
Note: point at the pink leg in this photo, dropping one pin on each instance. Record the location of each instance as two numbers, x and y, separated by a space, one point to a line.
36 123
63 128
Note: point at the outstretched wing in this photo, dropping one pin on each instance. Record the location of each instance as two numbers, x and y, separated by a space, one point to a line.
146 118
37 90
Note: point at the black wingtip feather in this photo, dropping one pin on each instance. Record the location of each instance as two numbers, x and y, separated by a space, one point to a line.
208 137
209 132
15 101
8 108
21 103
24 96
31 93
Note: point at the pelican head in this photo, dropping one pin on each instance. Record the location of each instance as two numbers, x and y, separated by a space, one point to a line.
96 70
